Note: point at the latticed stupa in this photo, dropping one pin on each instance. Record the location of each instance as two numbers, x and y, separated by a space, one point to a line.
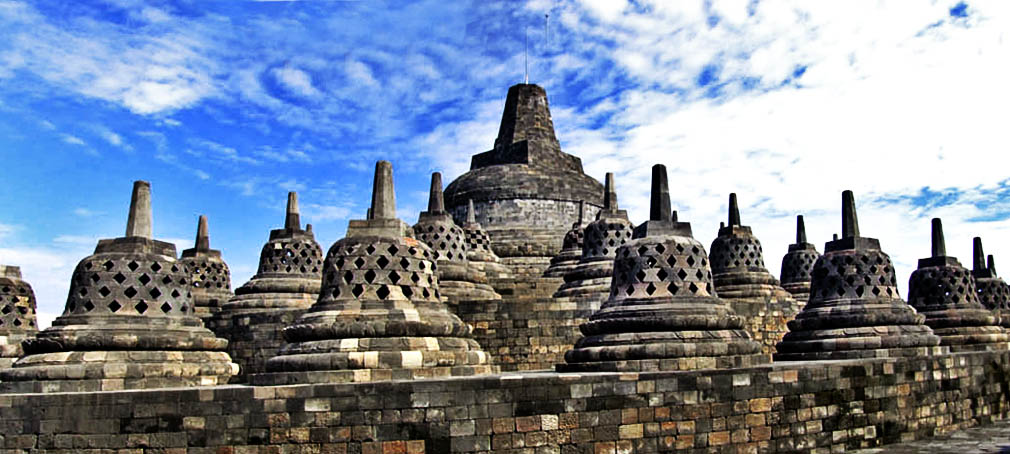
797 265
17 314
590 279
285 285
379 315
993 291
571 248
478 248
855 310
663 313
741 279
210 279
525 190
458 279
944 291
129 322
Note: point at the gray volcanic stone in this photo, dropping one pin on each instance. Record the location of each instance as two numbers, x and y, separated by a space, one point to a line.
944 291
571 248
663 312
855 310
379 315
797 265
286 283
129 323
993 291
741 279
590 279
478 248
458 279
210 279
17 314
525 190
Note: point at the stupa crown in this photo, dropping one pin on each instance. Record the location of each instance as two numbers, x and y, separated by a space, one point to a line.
381 220
661 219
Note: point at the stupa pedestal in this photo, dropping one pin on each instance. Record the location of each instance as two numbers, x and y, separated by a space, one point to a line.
17 314
855 310
458 280
741 279
210 279
993 292
663 312
571 249
526 190
286 283
590 279
944 291
129 323
797 265
379 315
478 248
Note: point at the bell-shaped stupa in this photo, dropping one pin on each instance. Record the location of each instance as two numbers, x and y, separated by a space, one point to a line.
855 310
741 279
993 291
285 285
526 189
17 314
129 322
210 279
379 315
590 279
944 291
458 280
663 312
478 248
571 247
797 265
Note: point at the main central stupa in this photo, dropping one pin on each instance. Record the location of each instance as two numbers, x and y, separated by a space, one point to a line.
525 191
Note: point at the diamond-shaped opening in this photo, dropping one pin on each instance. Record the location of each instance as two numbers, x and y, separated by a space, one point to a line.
95 278
693 288
662 274
370 249
155 267
650 289
6 310
407 291
119 278
348 275
672 288
141 307
425 293
167 280
382 292
155 293
698 274
660 248
166 308
130 292
682 274
175 293
393 249
340 263
114 306
404 263
415 277
672 261
394 277
860 290
369 276
335 292
83 291
640 275
108 265
358 290
144 279
104 291
175 269
89 306
642 250
359 262
382 261
690 260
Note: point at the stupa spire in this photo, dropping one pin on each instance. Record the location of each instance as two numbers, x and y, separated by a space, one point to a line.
978 256
734 211
436 203
471 216
850 224
610 193
292 219
939 249
659 209
139 222
990 264
202 237
383 197
801 230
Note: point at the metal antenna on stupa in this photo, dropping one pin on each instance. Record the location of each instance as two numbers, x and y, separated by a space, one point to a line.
526 56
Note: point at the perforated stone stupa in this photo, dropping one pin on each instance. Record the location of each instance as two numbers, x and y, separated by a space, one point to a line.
798 263
17 314
525 190
993 291
129 322
740 276
571 248
663 312
458 279
944 291
210 279
590 279
379 315
855 310
478 248
286 283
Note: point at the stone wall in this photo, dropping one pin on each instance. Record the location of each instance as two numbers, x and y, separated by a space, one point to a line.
786 407
525 227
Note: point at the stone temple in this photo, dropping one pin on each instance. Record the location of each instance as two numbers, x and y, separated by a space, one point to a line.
571 331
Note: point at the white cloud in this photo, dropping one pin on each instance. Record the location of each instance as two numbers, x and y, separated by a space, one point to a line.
87 213
73 140
320 213
296 81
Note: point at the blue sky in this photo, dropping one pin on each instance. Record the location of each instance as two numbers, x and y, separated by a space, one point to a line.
225 106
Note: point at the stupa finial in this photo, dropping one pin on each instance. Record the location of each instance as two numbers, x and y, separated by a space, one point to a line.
978 256
850 224
734 211
471 215
139 223
202 235
990 264
610 193
939 247
383 197
660 199
436 202
292 220
801 230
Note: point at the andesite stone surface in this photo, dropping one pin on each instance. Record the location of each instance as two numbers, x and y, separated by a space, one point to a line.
855 310
286 283
129 322
525 190
993 291
17 314
571 247
663 312
379 315
944 291
210 279
741 279
590 279
478 248
797 265
458 279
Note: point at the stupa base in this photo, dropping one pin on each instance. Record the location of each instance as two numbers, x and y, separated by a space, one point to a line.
367 375
669 364
863 354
